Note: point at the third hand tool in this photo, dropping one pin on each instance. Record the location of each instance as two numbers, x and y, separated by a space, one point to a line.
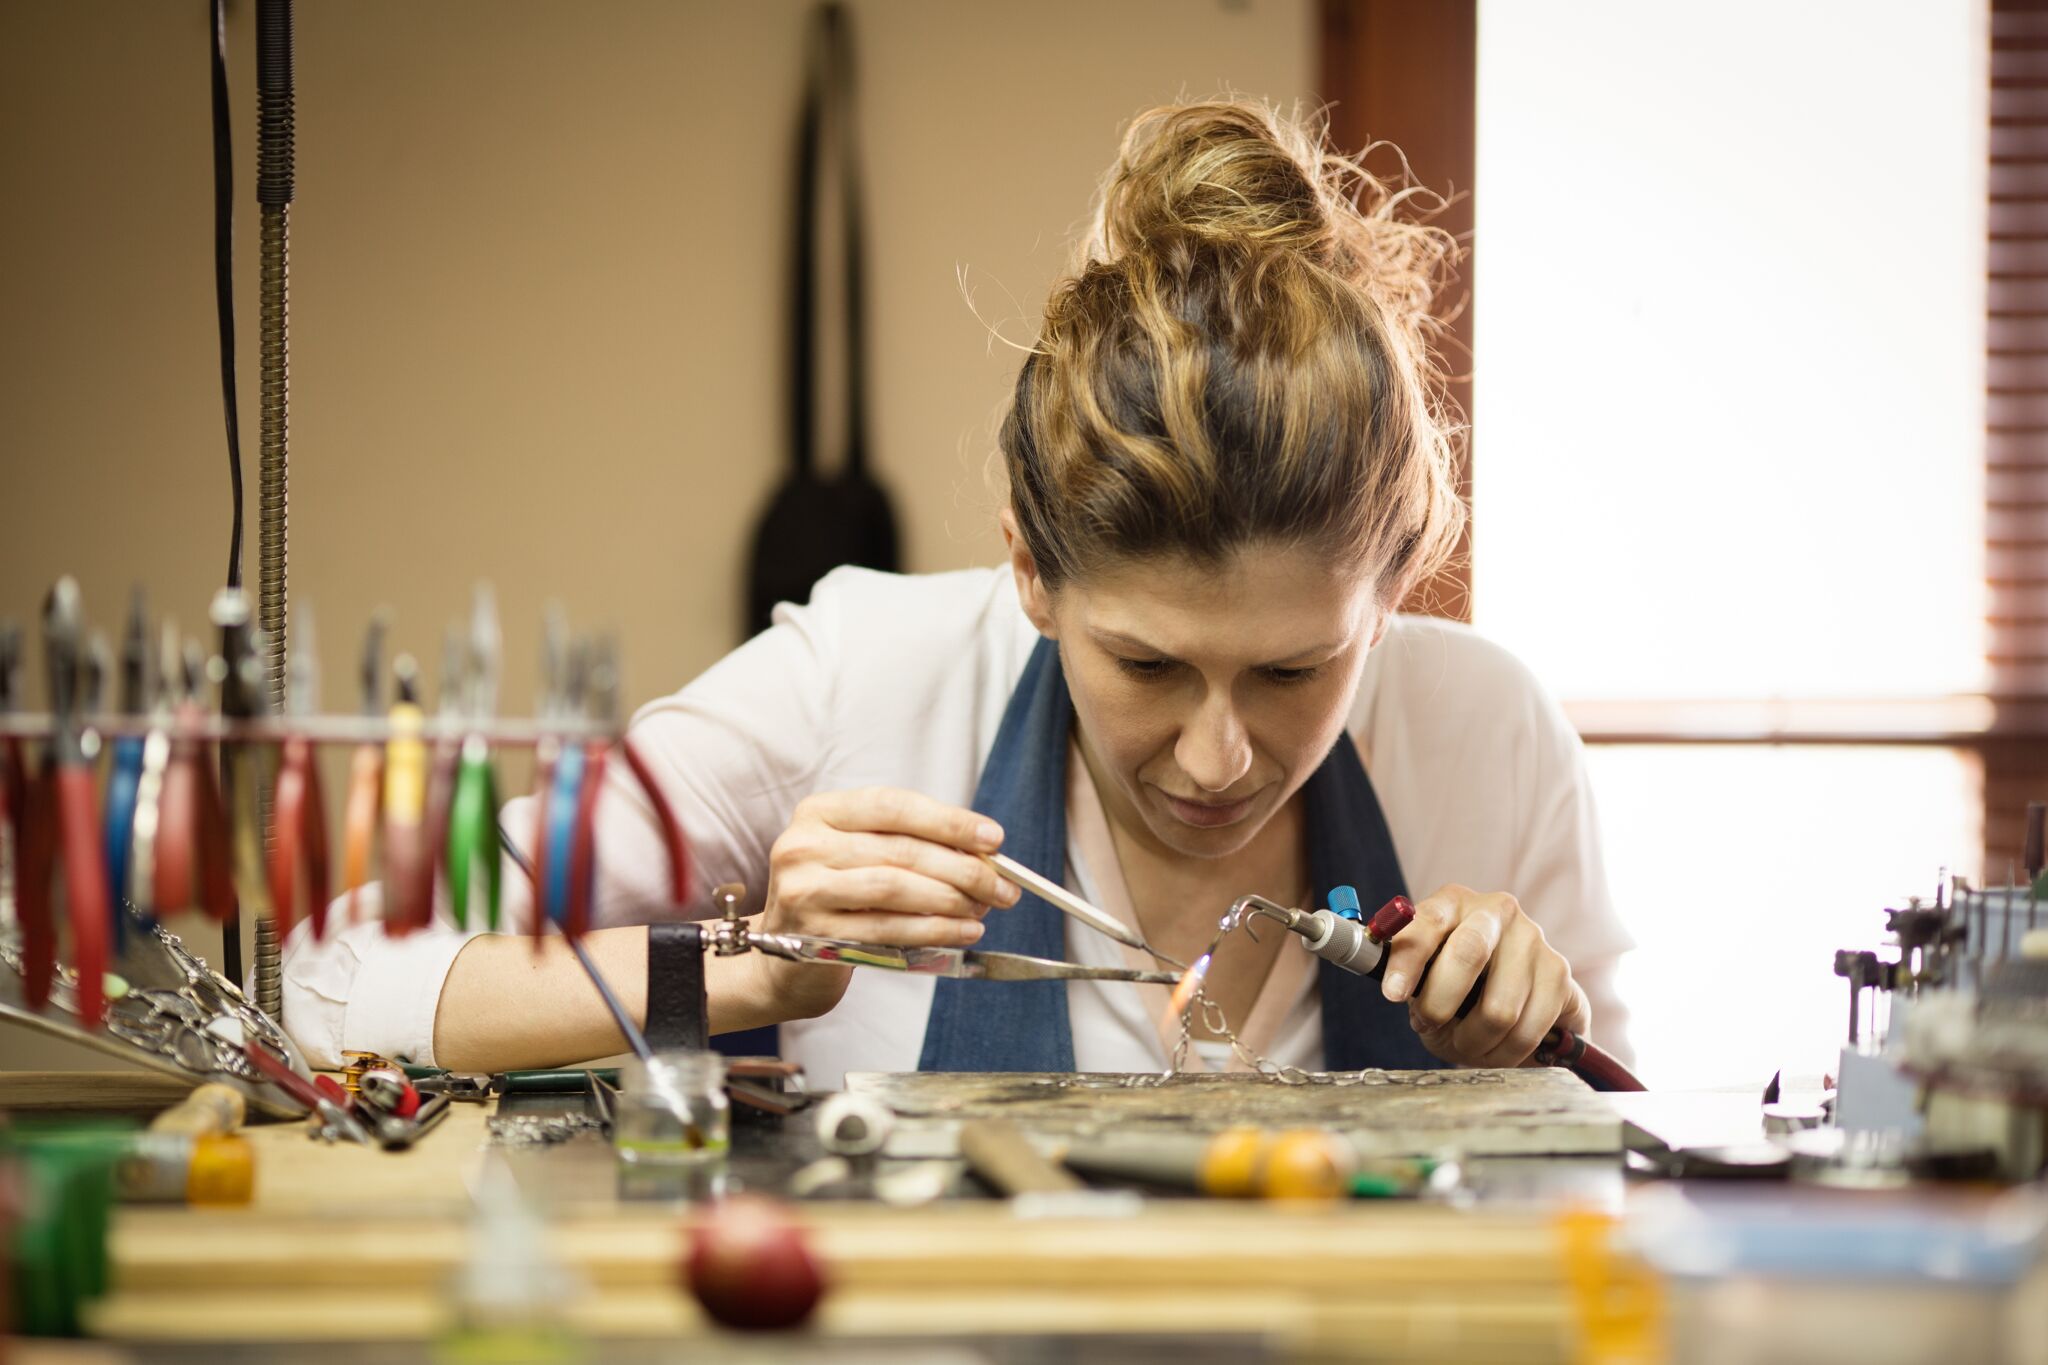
973 963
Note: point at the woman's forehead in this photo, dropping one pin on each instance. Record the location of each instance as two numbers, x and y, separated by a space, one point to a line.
1263 605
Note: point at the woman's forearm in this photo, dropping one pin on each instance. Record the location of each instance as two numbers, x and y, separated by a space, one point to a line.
505 1006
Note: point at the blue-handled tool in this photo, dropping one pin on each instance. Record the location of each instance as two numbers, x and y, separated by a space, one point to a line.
124 774
563 801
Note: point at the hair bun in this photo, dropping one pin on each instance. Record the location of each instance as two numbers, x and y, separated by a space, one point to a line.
1222 172
1239 174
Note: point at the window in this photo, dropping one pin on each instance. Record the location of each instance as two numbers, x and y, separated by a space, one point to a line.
1729 397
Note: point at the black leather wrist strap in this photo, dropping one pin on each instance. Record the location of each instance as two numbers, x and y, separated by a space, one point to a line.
678 1013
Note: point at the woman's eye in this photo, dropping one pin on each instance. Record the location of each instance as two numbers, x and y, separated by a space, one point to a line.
1291 675
1143 668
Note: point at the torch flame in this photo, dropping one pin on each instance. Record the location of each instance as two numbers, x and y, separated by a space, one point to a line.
1184 993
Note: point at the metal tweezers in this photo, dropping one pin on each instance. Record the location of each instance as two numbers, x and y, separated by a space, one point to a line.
968 963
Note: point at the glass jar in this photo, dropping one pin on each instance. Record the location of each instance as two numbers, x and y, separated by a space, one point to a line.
672 1110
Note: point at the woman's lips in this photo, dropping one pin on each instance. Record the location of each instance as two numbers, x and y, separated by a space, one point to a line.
1205 816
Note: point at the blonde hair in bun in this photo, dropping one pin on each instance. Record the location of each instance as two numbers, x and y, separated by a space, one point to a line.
1242 354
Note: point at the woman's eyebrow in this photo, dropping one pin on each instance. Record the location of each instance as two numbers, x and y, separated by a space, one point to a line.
1137 646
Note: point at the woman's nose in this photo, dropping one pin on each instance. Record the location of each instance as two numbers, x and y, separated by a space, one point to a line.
1214 749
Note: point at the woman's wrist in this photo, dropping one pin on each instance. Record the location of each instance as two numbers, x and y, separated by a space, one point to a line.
752 990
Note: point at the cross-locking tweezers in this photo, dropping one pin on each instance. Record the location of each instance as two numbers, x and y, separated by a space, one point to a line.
957 962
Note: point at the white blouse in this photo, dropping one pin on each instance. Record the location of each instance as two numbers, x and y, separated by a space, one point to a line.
901 681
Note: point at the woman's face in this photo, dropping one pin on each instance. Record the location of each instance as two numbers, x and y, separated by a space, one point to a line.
1206 696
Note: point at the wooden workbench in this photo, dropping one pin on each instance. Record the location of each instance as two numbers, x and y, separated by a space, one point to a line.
344 1243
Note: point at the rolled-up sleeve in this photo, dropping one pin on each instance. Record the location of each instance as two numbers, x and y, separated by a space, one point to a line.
360 989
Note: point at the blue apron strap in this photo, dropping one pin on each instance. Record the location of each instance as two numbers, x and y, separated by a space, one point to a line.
1020 1025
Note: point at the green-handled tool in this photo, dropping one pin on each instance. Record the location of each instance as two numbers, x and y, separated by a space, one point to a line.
473 812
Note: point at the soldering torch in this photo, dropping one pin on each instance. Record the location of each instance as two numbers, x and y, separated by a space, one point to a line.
1341 936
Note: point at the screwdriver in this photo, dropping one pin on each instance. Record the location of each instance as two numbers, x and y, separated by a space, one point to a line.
1238 1163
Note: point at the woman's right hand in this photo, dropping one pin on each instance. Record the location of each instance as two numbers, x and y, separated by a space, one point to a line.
879 865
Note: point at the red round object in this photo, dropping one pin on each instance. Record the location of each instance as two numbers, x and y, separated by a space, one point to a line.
751 1267
1391 918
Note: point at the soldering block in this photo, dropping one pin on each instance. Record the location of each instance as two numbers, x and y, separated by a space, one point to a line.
1521 1111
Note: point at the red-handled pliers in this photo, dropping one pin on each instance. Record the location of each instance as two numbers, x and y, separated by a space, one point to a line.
445 758
70 806
191 853
25 860
298 812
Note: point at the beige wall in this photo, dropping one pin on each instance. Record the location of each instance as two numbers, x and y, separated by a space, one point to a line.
538 256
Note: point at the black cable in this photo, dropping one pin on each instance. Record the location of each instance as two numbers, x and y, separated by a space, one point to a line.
224 275
635 1039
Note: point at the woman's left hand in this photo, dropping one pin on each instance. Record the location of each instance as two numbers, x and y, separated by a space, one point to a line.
1529 986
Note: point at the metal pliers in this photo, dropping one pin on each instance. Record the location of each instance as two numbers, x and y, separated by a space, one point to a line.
124 770
365 782
190 849
298 811
445 758
149 784
473 809
69 824
601 706
408 859
245 695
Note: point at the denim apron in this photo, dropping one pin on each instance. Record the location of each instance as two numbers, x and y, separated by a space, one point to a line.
1023 1025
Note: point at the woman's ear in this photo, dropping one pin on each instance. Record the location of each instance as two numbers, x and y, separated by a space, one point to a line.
1031 589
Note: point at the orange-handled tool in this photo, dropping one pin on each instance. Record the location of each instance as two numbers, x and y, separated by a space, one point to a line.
365 783
408 860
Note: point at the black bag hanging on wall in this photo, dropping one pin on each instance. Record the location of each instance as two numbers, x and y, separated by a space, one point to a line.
817 522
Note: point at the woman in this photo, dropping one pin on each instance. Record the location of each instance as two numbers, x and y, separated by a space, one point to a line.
1226 469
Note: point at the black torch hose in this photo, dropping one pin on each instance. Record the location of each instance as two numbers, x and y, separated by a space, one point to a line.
224 278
